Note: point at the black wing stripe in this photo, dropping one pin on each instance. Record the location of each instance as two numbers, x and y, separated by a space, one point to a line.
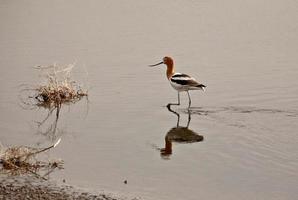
180 82
180 75
189 82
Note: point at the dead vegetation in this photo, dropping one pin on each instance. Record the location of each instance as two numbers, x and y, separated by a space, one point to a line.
23 160
55 89
59 87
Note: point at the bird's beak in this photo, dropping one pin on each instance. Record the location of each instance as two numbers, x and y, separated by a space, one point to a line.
156 64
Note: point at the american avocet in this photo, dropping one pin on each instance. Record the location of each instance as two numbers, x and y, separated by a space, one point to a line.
180 82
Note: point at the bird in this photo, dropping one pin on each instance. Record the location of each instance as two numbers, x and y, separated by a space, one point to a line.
180 82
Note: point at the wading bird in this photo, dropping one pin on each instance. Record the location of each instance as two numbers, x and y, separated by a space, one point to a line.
180 82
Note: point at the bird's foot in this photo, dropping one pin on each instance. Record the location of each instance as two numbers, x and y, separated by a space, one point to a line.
172 104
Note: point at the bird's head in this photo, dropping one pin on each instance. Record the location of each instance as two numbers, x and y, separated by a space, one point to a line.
166 60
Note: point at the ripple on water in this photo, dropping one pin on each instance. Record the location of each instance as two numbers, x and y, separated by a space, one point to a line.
244 110
262 138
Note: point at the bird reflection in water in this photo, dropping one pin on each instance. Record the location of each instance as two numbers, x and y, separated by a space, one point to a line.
178 134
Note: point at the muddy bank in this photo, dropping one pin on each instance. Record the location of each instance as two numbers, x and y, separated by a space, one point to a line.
26 188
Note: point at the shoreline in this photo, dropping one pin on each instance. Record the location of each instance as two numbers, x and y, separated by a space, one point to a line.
30 188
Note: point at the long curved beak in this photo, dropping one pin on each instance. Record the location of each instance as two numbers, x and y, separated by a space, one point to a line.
156 64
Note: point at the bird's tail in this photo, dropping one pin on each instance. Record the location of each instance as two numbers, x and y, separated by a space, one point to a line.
201 86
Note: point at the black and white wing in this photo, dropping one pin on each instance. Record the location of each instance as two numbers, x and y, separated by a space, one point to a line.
186 81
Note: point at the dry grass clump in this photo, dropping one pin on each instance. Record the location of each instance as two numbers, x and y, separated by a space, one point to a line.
22 160
59 88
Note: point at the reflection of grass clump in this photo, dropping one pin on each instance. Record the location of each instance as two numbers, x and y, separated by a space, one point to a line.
59 88
22 160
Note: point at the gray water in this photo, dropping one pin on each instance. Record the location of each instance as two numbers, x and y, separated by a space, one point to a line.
244 51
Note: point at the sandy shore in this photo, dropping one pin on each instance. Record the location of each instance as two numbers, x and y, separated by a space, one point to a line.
24 188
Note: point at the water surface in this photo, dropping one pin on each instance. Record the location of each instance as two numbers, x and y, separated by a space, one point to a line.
245 52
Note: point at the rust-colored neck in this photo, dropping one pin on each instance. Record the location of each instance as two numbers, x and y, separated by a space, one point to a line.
168 146
170 69
170 66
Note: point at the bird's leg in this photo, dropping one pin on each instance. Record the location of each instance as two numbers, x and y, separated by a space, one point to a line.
189 118
189 100
177 104
177 114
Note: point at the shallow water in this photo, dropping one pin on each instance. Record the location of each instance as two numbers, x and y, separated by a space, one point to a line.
245 52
